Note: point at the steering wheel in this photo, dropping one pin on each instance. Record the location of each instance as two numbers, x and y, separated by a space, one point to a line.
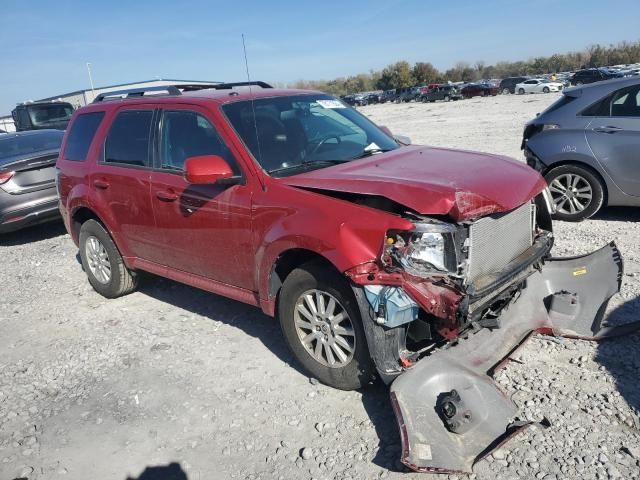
323 141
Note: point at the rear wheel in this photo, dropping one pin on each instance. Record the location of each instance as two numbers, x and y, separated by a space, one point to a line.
577 193
505 91
447 98
321 322
102 262
521 91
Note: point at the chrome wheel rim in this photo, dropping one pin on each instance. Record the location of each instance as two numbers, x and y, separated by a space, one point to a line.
571 193
98 260
505 91
324 328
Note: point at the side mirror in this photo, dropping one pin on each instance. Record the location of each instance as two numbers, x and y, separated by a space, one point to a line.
206 169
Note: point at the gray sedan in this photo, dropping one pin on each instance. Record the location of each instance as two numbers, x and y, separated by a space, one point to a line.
27 178
587 146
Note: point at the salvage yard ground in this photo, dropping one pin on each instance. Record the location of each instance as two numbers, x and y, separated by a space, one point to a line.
101 389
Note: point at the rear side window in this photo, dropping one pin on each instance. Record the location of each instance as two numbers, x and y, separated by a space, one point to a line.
626 103
81 135
128 139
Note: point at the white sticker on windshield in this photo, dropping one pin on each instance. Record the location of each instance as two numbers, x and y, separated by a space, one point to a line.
330 103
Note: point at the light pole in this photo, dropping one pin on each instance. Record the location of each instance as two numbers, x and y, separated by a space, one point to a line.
91 79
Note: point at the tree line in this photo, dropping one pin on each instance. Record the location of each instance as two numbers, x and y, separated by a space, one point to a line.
403 74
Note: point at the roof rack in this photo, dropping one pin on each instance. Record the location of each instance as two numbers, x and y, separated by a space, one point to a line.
136 92
227 86
175 89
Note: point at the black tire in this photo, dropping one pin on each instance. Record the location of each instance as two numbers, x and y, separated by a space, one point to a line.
545 90
506 91
597 191
359 371
121 280
447 98
521 91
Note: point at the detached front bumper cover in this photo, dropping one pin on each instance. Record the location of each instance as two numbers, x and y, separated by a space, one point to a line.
450 411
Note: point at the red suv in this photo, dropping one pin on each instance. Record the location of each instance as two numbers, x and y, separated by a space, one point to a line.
423 266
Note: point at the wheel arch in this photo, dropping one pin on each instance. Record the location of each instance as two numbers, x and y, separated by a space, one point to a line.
287 261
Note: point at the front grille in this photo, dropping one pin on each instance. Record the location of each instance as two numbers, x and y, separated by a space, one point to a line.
496 240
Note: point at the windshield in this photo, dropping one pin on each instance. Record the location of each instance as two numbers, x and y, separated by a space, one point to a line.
43 115
304 131
18 145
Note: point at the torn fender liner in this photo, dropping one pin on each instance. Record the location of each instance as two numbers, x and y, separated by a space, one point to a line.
450 411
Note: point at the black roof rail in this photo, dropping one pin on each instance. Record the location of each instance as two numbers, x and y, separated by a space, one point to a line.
227 86
137 92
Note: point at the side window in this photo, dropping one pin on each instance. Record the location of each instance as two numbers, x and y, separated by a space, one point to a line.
602 108
188 134
626 103
128 138
81 135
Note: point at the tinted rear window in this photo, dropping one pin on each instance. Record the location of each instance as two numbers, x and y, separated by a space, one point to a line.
81 135
128 139
22 145
561 102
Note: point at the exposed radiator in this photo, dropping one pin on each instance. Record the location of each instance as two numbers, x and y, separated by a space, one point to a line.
498 239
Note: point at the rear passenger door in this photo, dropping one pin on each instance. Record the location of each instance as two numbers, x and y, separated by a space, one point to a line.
120 182
205 229
614 138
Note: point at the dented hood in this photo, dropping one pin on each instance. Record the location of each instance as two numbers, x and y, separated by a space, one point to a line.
432 181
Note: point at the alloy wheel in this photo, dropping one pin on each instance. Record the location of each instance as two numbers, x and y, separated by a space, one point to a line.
571 193
98 260
324 328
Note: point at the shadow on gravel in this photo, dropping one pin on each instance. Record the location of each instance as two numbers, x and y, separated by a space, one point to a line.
33 234
624 214
249 319
253 322
376 402
173 471
620 356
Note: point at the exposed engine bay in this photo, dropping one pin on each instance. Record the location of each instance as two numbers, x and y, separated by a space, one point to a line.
448 303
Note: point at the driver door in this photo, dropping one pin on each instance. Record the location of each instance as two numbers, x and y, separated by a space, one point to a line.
205 229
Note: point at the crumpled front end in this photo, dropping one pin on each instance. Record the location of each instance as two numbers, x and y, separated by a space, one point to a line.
450 411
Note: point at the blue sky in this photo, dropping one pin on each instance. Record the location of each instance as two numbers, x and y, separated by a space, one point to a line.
44 45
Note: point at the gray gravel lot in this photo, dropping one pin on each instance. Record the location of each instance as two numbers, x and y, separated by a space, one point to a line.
101 389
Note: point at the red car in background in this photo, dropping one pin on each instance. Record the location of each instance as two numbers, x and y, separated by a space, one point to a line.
479 90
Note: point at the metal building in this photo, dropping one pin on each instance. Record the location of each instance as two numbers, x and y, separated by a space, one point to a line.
80 98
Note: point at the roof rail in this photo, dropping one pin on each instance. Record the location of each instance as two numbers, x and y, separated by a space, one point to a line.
136 92
226 86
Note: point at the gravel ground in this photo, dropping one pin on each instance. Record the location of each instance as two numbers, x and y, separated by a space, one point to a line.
92 388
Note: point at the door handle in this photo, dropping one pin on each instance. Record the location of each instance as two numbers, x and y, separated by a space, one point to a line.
166 196
101 184
608 129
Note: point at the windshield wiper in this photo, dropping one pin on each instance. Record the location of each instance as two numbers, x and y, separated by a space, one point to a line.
368 153
308 163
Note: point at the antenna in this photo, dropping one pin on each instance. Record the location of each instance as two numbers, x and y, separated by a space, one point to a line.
253 106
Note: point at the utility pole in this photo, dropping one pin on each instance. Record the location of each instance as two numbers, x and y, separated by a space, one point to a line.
91 79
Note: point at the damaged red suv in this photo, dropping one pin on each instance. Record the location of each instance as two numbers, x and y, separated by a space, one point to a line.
423 266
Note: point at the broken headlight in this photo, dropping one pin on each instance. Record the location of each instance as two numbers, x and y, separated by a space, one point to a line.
428 249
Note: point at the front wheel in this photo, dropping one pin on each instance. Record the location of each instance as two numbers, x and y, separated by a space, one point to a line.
577 193
321 323
505 91
545 90
521 91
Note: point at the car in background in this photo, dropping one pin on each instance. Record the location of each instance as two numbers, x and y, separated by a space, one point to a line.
407 94
508 85
586 145
42 115
27 178
442 92
479 90
388 96
591 75
538 85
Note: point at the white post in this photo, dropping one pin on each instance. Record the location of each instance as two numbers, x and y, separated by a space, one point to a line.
91 79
